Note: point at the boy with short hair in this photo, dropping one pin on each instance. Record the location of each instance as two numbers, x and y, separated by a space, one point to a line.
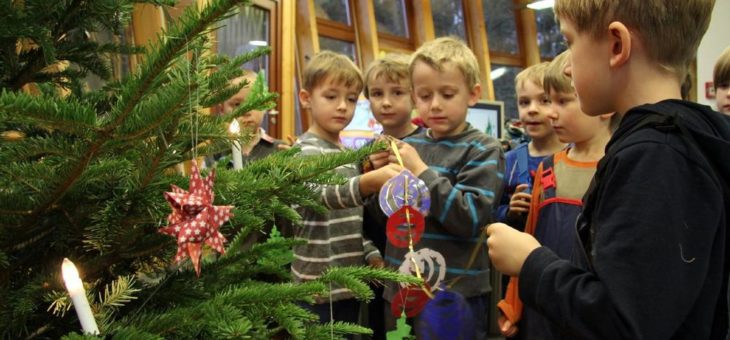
534 107
560 182
388 88
653 260
721 81
331 86
261 144
462 168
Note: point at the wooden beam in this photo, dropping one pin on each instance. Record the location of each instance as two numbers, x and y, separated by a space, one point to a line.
477 33
366 29
287 119
531 51
423 18
147 20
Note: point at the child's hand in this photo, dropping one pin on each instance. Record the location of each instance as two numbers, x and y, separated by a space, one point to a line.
376 262
379 160
411 160
508 248
288 144
370 182
506 327
519 203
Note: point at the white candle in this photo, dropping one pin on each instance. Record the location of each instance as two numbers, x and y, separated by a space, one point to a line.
78 296
235 130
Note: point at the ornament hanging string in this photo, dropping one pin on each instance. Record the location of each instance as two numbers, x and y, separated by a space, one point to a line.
394 148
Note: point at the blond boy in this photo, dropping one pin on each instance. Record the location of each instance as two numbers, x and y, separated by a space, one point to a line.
331 85
462 168
533 104
653 259
721 77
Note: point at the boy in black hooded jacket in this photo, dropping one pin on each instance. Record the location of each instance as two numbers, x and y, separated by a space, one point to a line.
654 244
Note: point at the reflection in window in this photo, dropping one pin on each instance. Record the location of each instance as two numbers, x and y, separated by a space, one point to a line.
501 26
448 18
335 10
340 46
391 17
503 77
548 34
243 33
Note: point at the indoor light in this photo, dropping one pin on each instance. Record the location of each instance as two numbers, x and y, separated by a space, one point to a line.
541 4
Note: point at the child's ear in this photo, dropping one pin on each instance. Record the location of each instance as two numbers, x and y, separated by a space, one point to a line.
305 98
475 94
620 40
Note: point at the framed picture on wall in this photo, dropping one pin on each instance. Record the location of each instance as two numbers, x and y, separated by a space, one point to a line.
488 117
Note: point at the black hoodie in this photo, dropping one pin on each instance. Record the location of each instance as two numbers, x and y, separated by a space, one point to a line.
655 261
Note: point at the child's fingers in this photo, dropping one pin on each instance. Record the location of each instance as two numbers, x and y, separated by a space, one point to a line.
520 188
521 196
291 139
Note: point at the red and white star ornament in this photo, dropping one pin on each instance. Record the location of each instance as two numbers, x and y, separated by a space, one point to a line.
194 219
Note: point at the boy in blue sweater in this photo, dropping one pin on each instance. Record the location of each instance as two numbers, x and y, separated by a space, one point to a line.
462 167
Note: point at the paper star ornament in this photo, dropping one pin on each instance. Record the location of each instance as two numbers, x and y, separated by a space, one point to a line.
194 219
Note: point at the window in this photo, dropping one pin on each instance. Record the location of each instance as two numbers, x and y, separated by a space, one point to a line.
243 33
340 46
390 16
448 18
333 10
499 16
549 38
503 77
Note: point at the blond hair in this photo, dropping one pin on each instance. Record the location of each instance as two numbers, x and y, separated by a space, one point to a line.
393 66
555 78
670 30
436 53
721 73
334 66
534 74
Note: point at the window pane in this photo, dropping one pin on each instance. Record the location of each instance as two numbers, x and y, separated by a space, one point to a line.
501 26
448 18
244 32
340 46
335 10
548 34
391 17
503 78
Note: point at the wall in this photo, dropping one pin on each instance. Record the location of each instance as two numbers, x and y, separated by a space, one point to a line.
715 41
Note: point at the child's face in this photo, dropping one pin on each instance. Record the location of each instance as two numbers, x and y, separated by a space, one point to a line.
332 106
570 124
589 69
442 98
534 107
390 102
251 119
722 94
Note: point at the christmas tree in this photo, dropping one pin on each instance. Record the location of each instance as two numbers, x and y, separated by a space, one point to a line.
84 172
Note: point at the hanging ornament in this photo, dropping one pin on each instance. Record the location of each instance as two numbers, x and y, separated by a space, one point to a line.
404 189
409 300
404 226
194 219
446 316
430 263
401 331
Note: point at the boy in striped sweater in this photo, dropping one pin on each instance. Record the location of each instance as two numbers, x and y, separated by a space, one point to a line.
331 86
462 167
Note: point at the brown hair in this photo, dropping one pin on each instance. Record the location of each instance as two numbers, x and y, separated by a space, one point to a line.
393 66
328 64
670 30
721 73
555 78
534 73
449 49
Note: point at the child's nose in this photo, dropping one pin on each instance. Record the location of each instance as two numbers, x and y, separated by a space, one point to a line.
342 105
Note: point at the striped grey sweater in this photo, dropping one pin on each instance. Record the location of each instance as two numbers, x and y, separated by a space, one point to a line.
465 181
334 239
